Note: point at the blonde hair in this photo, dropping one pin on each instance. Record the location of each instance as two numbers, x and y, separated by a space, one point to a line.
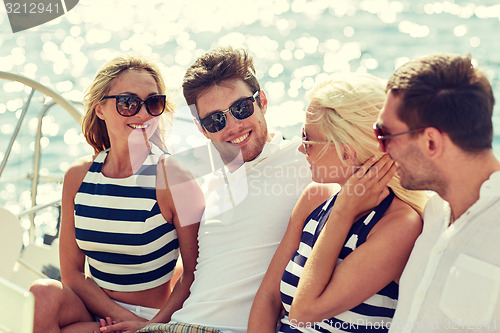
345 109
94 128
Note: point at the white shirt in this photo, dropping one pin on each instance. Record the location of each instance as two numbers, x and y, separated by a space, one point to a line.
452 279
247 212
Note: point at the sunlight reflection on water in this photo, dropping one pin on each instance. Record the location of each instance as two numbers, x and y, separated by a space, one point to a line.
295 44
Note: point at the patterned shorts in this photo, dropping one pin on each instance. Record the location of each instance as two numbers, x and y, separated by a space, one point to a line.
178 328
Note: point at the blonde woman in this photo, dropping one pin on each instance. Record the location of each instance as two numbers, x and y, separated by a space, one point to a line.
118 213
345 248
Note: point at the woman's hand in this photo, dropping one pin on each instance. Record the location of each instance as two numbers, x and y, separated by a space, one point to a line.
109 326
367 187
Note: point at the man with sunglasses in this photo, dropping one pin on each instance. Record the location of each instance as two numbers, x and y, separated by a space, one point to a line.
261 181
436 125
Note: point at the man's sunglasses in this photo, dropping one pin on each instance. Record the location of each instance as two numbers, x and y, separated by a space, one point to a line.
383 136
129 105
240 110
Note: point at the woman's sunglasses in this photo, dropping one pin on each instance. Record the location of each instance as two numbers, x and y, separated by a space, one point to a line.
129 105
306 143
383 136
240 110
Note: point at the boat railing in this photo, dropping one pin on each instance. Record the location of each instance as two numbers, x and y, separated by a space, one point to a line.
35 177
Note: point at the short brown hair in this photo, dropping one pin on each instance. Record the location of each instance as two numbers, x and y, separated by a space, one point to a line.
445 91
215 66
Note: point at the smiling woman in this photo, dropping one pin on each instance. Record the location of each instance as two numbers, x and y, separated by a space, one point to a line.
102 88
118 213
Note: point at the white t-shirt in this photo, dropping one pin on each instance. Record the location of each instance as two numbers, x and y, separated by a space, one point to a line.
452 279
247 212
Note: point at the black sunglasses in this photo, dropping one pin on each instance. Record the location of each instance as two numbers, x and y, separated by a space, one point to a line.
129 105
240 110
383 136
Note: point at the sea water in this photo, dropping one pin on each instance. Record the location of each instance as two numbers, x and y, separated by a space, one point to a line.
294 44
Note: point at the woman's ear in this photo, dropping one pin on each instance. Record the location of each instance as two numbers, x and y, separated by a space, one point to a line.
98 111
349 154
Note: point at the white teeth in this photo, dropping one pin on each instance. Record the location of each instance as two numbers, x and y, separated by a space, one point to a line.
240 139
138 126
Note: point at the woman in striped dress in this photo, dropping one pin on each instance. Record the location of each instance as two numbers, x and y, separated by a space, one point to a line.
338 265
118 212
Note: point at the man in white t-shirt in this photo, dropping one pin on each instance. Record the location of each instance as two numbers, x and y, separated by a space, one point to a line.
436 125
253 181
249 200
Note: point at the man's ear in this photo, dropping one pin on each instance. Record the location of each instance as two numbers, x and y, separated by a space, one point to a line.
263 101
434 141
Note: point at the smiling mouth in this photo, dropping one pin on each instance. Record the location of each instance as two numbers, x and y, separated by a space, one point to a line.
240 139
135 126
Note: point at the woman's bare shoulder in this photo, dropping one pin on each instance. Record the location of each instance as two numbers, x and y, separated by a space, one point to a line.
400 214
316 193
313 196
77 170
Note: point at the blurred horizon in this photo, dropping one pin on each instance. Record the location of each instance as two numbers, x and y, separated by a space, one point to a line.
294 43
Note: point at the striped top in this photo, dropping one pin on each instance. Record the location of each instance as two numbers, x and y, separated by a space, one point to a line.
374 314
119 227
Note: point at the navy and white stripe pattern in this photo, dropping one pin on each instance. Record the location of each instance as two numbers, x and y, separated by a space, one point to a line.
375 313
119 227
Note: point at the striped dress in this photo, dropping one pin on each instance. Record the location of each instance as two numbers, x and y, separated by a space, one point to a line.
374 314
119 227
